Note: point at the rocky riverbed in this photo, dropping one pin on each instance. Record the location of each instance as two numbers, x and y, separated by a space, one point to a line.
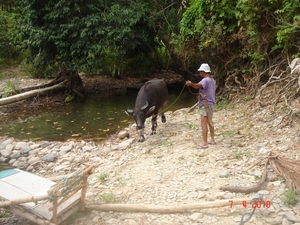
168 170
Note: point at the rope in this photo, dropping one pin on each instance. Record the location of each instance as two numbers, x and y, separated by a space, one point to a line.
180 95
250 214
66 185
176 98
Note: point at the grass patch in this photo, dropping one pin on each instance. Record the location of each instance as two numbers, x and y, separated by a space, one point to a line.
4 213
236 155
248 153
223 104
228 133
290 198
108 198
103 177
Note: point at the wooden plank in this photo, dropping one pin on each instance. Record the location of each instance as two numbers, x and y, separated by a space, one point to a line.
26 185
22 185
18 185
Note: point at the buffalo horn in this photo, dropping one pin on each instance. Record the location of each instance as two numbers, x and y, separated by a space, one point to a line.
145 106
129 111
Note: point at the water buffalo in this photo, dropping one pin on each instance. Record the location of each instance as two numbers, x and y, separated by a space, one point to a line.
151 97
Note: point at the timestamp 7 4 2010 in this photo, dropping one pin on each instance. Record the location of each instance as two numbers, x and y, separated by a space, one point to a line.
254 204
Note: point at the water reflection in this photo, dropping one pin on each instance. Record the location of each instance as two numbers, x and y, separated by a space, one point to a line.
95 118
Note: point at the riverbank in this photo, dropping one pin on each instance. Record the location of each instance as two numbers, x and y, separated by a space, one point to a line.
167 169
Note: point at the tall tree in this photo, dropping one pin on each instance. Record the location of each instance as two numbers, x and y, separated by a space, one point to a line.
74 35
241 38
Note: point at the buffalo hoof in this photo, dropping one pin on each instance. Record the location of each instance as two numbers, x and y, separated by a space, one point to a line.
153 132
141 138
163 119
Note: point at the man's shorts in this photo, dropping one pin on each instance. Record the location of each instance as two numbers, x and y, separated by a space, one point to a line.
203 112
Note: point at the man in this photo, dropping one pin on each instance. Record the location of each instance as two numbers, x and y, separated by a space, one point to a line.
206 102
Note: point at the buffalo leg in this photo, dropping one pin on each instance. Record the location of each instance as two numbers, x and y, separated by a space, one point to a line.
163 118
154 124
141 135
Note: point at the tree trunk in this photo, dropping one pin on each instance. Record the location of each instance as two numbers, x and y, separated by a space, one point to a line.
70 82
180 67
167 209
33 93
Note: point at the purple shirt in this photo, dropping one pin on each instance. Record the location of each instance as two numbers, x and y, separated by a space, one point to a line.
208 90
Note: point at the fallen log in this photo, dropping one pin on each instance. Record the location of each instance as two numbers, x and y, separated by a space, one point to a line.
23 200
30 94
21 212
250 189
167 209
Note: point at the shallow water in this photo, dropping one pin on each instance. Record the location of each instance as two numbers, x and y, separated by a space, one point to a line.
95 118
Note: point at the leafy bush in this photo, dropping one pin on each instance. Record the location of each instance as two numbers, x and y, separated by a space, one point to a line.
9 44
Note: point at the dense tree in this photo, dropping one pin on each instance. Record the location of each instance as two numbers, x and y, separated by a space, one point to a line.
9 44
241 38
76 34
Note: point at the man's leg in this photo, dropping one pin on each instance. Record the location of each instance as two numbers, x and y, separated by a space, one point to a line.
204 130
212 133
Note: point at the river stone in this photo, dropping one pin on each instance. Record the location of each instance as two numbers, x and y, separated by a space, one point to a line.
33 160
35 146
4 159
8 141
228 196
16 164
201 194
195 216
65 149
6 153
21 144
125 144
25 149
96 219
224 173
44 144
29 168
60 167
22 165
291 217
50 157
87 148
284 147
123 134
274 221
257 173
285 222
12 161
9 147
15 155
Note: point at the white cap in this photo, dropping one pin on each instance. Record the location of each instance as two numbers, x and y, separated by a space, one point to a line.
204 67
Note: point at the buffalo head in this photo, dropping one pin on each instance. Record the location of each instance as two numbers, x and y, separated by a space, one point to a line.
140 114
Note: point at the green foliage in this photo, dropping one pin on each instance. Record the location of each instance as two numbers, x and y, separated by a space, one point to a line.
248 154
236 155
69 98
103 177
290 198
288 27
77 34
245 34
4 213
108 198
9 44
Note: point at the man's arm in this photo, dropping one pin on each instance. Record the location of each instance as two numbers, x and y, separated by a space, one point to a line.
194 85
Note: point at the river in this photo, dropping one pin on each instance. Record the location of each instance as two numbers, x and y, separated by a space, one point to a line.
95 118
